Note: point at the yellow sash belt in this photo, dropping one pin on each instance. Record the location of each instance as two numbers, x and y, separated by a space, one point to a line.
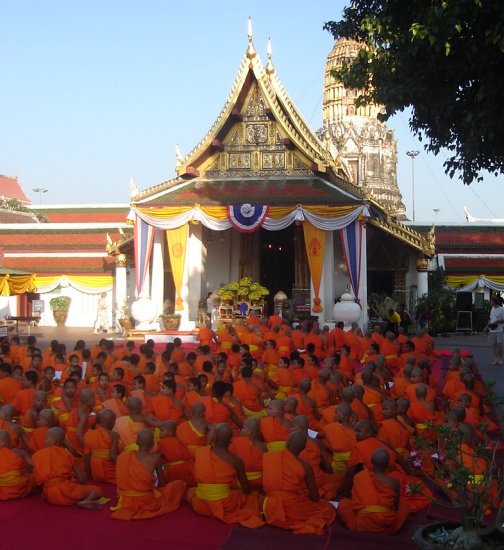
131 447
213 491
9 479
253 347
63 416
101 453
226 345
122 494
276 445
254 414
339 462
251 476
176 463
421 426
375 508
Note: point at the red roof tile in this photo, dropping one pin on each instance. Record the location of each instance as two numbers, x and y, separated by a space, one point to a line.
10 188
476 266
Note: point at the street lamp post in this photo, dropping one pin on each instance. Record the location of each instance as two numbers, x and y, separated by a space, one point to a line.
40 190
413 155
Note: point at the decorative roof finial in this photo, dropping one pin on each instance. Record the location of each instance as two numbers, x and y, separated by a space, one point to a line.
133 188
269 67
179 157
251 53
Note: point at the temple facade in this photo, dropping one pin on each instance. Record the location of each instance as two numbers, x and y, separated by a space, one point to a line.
365 145
261 196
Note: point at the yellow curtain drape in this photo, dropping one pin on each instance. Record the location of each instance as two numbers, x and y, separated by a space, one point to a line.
92 281
315 247
177 245
17 284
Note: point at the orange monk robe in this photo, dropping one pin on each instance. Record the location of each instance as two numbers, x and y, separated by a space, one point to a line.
138 498
163 408
97 444
248 395
205 337
340 441
298 339
305 408
200 359
191 437
403 360
339 338
320 394
37 439
287 504
355 345
452 388
214 496
274 433
371 508
318 342
422 348
255 344
71 431
346 367
185 370
395 434
326 482
53 469
411 395
327 416
253 320
128 430
216 412
14 481
9 388
252 459
373 398
421 415
285 381
179 463
24 400
233 361
178 355
399 388
274 320
302 373
284 345
151 384
270 357
390 350
362 453
115 405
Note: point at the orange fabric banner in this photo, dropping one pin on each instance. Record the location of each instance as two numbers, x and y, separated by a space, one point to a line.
177 245
315 247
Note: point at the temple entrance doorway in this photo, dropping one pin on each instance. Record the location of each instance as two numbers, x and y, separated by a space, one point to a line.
277 262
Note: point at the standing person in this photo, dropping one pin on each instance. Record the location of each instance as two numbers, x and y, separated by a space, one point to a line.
102 318
393 321
495 326
209 305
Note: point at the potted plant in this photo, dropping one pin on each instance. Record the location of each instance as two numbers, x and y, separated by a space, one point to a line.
60 306
171 321
466 478
124 317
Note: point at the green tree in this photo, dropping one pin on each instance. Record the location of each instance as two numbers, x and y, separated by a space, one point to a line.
444 59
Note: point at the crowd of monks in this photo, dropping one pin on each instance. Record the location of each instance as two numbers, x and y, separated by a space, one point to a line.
261 423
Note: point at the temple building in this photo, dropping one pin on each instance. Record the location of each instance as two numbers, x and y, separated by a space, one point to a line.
261 196
363 143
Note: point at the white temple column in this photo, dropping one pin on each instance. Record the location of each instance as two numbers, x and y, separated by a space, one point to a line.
422 265
157 283
191 285
120 285
363 294
327 282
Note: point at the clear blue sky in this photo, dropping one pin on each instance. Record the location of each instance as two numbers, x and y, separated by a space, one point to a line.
93 93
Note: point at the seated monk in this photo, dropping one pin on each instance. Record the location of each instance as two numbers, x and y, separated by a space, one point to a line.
100 448
375 506
292 499
318 458
323 395
62 482
250 448
177 461
18 437
392 431
136 474
306 405
195 432
216 470
129 426
422 411
249 393
339 440
361 455
46 420
275 428
15 465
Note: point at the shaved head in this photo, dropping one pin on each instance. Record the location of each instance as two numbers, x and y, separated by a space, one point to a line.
296 442
145 439
223 434
252 426
301 421
134 405
107 418
380 460
198 410
55 436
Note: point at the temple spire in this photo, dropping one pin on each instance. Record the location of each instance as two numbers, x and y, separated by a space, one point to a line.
269 67
179 157
251 53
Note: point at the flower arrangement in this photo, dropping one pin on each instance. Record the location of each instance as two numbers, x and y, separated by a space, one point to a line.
244 288
60 303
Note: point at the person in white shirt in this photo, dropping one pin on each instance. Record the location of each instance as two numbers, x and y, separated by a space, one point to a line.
495 327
